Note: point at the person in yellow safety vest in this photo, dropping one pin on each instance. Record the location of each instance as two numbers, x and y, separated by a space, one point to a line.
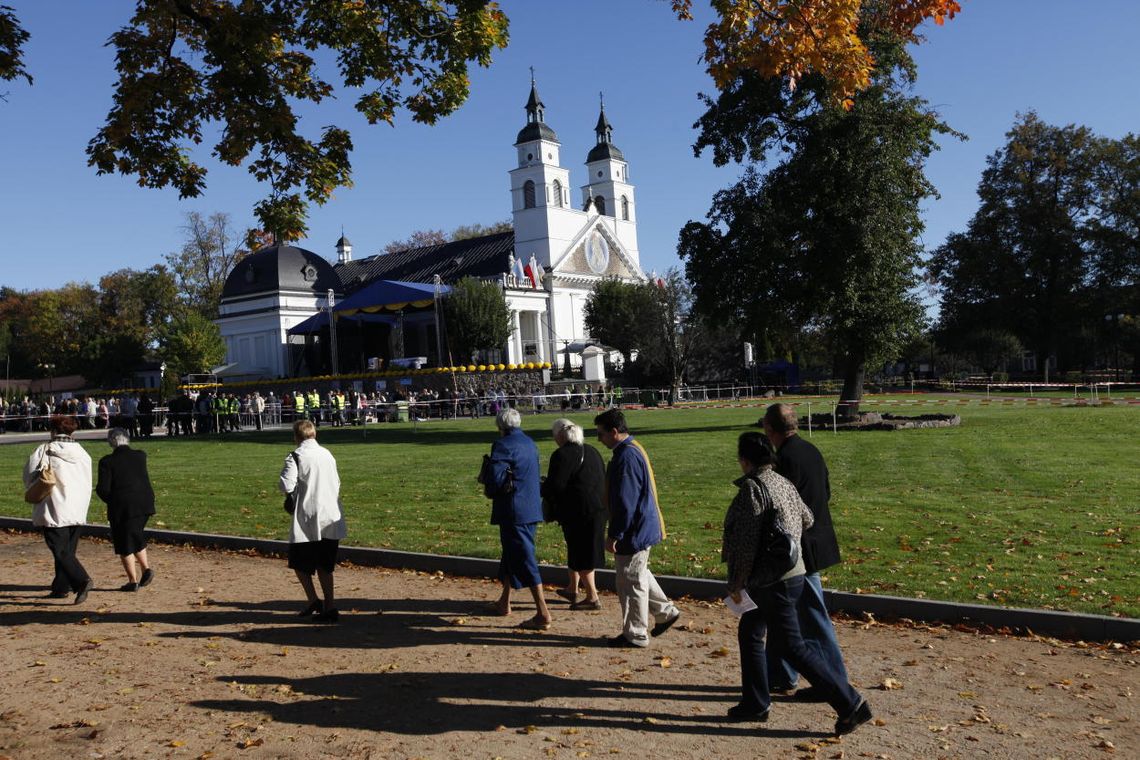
337 399
299 406
219 410
235 411
617 396
313 405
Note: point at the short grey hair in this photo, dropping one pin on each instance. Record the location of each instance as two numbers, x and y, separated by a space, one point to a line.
118 437
508 419
567 430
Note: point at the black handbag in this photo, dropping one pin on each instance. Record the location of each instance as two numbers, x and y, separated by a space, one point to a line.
490 490
290 504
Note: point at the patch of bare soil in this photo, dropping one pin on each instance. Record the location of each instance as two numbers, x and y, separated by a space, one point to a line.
212 661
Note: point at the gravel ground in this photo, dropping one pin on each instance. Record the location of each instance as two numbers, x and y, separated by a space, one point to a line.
212 661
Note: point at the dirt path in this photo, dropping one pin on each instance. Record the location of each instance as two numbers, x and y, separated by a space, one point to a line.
211 661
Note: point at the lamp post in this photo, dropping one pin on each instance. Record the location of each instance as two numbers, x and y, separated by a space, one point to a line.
332 334
1114 321
49 368
437 281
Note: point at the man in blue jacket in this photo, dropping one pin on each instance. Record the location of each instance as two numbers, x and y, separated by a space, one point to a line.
636 525
512 483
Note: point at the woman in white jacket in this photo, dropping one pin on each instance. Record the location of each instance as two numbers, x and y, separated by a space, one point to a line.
62 514
310 475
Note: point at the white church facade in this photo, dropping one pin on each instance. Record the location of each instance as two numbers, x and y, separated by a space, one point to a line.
547 266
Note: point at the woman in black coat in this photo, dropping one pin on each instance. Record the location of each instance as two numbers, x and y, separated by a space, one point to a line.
574 487
124 484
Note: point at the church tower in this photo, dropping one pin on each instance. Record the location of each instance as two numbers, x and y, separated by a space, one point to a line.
607 190
544 219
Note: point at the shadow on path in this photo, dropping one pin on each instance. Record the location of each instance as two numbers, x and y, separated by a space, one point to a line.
437 703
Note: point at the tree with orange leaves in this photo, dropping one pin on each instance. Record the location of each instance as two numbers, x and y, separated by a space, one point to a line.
792 38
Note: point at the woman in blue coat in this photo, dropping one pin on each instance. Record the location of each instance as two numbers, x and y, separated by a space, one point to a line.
512 482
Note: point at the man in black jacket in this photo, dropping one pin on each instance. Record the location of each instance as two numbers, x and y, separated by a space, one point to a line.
124 485
801 463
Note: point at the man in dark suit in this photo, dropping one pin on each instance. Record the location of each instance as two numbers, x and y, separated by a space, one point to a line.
801 463
124 485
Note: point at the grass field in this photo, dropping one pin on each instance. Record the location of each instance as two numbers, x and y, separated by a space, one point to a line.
1020 506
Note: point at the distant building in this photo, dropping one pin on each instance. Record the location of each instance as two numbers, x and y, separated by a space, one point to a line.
547 266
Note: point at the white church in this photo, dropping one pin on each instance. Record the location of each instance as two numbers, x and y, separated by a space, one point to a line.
275 301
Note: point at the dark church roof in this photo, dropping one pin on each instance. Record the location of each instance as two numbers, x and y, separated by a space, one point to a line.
475 257
603 152
280 268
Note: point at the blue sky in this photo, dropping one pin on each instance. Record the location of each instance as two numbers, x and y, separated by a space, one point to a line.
59 222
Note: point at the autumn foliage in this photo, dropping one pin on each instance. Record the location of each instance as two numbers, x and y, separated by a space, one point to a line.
792 38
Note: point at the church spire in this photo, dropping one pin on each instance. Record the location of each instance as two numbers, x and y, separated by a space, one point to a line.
603 129
536 128
534 105
605 148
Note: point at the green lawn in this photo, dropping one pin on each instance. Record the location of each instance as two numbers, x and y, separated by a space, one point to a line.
1022 506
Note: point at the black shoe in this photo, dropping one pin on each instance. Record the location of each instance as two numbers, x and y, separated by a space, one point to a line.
860 715
660 628
742 713
132 586
328 616
809 694
81 595
312 609
59 595
621 642
147 577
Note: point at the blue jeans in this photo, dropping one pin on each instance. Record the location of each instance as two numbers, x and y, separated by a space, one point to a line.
776 615
818 633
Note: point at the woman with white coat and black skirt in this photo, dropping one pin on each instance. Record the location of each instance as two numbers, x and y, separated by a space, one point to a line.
63 512
311 478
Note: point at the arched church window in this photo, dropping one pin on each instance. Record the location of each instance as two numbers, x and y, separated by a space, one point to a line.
528 194
625 208
600 204
556 189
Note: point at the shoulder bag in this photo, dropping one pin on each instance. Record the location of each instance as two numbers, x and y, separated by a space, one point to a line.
43 483
290 504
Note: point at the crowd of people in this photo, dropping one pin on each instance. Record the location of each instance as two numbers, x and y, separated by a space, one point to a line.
777 536
134 412
214 410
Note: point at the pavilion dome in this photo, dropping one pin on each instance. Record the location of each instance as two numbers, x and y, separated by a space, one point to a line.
283 269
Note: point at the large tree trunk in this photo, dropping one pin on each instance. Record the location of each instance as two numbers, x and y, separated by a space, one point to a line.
854 370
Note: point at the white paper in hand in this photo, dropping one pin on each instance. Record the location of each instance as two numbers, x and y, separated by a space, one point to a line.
739 608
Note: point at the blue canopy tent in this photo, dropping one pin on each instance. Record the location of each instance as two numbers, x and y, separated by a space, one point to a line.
320 321
389 302
390 296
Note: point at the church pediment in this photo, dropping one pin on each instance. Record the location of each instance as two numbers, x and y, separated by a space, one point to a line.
596 253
